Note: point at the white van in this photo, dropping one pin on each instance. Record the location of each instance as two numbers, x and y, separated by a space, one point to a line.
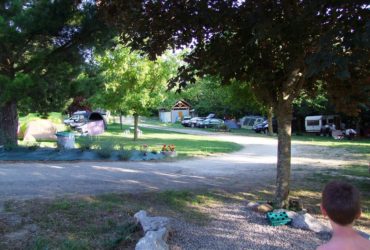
315 124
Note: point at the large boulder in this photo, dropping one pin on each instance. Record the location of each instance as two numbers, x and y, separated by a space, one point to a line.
306 221
151 223
40 129
156 231
153 240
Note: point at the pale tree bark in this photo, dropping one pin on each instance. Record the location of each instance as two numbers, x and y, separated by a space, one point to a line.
269 120
136 123
120 120
9 123
284 120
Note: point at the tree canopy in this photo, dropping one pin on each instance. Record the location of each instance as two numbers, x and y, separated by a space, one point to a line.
43 45
133 84
281 47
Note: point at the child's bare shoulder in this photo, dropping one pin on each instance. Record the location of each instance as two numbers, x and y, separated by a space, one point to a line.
327 246
358 243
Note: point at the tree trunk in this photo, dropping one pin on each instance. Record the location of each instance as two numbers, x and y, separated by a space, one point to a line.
269 120
9 123
136 122
284 112
120 120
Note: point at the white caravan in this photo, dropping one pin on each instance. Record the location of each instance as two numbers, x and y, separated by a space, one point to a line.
315 124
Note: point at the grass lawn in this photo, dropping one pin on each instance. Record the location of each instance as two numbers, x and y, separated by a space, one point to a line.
96 222
54 117
186 145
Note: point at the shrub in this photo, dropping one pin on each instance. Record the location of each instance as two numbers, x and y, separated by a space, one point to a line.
124 155
33 145
86 143
223 127
104 150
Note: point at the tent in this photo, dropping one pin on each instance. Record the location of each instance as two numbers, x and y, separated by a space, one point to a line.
40 130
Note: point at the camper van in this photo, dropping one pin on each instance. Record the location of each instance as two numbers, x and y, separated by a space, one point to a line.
317 123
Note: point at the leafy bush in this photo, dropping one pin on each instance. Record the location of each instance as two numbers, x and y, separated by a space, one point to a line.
223 127
33 145
104 150
124 155
86 143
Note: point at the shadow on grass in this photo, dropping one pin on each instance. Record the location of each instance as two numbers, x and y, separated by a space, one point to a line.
97 222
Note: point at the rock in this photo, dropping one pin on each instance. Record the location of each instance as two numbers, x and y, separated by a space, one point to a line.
252 205
291 214
305 221
295 204
153 240
151 223
308 222
156 231
264 208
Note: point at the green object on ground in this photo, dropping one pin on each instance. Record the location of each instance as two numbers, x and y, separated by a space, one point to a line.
278 219
64 134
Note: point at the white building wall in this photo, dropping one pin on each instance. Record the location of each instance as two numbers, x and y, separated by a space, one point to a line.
165 116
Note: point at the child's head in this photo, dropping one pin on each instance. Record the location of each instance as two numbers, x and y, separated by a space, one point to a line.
341 202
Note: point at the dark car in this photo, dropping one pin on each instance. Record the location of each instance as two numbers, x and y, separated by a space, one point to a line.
264 127
210 123
185 121
195 121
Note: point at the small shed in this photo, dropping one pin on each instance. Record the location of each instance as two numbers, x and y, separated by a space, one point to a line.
164 115
179 110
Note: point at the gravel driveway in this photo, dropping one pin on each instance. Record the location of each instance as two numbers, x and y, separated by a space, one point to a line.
232 225
253 165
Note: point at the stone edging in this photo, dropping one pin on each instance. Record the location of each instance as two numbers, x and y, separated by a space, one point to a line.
156 230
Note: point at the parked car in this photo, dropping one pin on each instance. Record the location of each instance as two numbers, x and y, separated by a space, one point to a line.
264 127
210 123
78 118
185 121
247 122
195 120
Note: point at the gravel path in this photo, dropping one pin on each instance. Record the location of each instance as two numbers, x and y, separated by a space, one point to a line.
254 165
233 226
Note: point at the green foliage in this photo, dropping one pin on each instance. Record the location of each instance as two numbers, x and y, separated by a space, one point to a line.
133 83
86 143
44 47
33 145
124 155
104 150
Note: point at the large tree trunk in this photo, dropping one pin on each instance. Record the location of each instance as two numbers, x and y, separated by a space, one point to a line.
136 128
284 120
269 120
8 123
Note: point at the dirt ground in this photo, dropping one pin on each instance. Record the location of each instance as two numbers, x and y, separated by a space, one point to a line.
254 165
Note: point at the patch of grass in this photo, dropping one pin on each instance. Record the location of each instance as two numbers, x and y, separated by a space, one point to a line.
189 204
359 146
103 221
356 170
86 142
186 145
309 189
41 243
